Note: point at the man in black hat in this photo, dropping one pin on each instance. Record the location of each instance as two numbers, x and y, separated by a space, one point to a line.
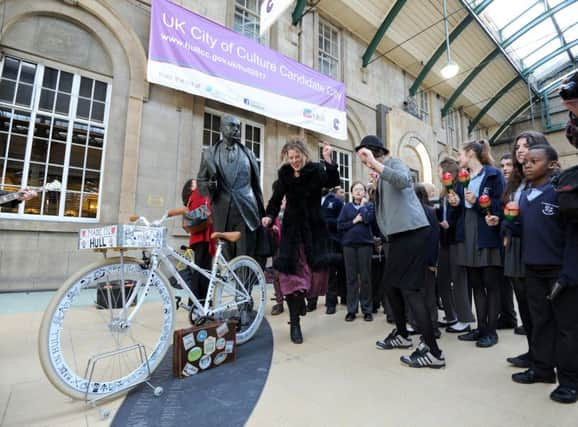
402 219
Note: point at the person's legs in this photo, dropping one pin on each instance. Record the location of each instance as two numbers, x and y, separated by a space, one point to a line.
564 308
492 283
507 315
364 268
431 298
417 301
203 260
332 286
460 288
519 285
351 271
476 281
397 303
444 284
544 326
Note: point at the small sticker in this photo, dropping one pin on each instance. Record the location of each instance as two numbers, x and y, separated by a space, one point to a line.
195 354
202 335
221 343
229 347
220 358
205 361
209 345
189 370
222 329
189 341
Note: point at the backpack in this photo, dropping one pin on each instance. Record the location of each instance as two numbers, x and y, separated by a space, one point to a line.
566 185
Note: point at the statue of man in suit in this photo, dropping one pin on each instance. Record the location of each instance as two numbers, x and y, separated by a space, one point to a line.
229 175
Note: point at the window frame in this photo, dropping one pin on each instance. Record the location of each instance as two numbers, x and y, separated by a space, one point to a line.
339 67
347 184
71 118
256 24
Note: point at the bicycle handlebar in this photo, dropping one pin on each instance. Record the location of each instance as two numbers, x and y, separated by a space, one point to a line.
168 214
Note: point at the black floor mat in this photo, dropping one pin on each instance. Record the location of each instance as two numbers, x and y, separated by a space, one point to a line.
223 396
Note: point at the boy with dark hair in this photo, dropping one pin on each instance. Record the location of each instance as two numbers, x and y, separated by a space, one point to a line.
552 299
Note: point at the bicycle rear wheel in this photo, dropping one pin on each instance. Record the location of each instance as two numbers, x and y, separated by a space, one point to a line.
247 314
85 322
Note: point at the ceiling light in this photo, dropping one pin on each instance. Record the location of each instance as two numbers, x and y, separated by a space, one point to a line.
451 69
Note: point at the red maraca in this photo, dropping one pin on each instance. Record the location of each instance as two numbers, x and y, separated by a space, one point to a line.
448 181
485 202
511 211
464 177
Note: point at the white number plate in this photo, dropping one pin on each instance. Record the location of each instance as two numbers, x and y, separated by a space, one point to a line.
121 236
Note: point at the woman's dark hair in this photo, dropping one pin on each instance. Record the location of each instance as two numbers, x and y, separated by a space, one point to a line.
421 193
186 192
481 149
532 138
357 183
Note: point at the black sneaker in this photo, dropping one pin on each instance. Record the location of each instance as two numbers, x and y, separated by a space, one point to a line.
394 340
531 377
330 309
487 341
520 330
368 317
423 358
564 394
350 317
521 361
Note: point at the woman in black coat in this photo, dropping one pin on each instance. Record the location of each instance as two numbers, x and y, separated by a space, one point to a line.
304 253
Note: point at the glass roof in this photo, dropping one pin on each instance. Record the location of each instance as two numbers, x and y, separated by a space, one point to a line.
540 37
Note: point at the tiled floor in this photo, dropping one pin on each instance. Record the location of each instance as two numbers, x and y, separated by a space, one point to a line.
336 378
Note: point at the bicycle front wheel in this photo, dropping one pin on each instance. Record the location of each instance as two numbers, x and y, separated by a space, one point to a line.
90 346
244 272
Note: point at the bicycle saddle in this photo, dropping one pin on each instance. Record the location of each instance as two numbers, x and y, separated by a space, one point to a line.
229 236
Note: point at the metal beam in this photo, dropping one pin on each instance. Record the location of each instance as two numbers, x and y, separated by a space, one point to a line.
562 39
442 47
474 73
492 101
396 8
298 11
550 56
508 121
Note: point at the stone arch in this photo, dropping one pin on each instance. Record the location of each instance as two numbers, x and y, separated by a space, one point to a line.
413 142
132 86
355 128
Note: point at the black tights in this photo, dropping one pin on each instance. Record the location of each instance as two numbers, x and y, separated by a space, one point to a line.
485 282
416 301
522 298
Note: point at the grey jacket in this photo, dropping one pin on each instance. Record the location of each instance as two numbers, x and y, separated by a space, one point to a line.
397 208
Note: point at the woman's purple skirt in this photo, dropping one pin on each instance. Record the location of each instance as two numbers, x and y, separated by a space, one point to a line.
313 283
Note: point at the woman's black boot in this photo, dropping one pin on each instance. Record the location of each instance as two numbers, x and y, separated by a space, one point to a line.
295 327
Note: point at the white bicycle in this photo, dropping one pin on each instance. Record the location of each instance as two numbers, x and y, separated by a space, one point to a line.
110 325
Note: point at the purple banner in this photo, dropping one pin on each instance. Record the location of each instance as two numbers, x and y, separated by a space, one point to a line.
187 40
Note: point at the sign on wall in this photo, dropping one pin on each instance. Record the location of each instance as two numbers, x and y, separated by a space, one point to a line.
270 11
190 53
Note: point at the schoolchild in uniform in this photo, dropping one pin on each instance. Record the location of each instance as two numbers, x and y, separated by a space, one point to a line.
552 296
355 222
479 247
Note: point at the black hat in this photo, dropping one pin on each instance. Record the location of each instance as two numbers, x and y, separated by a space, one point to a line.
373 143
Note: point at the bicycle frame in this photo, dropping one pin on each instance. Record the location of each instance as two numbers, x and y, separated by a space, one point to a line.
215 276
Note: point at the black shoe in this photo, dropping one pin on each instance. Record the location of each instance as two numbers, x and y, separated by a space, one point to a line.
487 341
506 324
437 333
368 317
295 332
520 330
564 394
312 304
522 361
375 310
330 309
470 336
343 301
350 317
389 319
277 309
530 377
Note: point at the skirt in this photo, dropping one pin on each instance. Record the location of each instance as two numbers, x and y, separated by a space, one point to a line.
407 259
313 283
469 255
513 265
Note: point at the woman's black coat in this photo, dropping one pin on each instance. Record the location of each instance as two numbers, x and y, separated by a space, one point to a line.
302 219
